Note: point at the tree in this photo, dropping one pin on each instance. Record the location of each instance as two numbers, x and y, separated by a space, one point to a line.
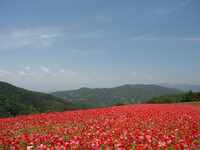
119 104
188 96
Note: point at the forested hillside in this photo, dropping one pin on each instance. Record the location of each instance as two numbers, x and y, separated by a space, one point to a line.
10 108
16 101
176 98
126 94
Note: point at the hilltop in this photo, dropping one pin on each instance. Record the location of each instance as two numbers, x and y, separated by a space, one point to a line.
126 94
15 101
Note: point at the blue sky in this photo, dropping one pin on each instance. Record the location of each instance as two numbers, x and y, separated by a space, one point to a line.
53 45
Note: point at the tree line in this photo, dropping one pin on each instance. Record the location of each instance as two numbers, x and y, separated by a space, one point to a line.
176 98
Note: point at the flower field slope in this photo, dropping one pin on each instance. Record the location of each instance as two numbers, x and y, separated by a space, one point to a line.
143 126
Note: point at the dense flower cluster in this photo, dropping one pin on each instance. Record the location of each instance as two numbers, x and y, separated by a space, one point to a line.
143 126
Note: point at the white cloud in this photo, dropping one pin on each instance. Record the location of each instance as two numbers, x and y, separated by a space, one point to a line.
90 35
153 38
45 70
100 78
77 52
103 18
85 79
146 76
4 73
70 73
188 21
138 38
163 10
22 73
89 52
41 36
191 39
48 36
27 68
175 8
29 72
186 2
62 71
108 78
67 73
46 79
148 37
109 16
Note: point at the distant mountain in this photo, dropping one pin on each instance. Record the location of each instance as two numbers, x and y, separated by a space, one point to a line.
183 87
15 101
126 94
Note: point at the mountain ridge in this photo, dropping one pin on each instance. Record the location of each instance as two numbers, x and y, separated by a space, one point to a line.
183 87
37 102
15 101
126 94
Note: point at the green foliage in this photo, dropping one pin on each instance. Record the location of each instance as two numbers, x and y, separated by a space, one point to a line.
17 101
193 103
176 98
165 99
119 104
191 96
104 106
127 94
9 108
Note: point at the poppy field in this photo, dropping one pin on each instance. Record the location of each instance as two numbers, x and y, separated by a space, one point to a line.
142 126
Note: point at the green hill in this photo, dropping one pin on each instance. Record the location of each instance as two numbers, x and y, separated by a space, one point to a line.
126 94
10 108
176 98
169 98
15 101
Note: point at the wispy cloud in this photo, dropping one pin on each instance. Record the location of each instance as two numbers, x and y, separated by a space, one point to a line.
45 71
77 52
44 36
41 36
176 7
68 73
22 73
103 17
192 39
163 10
147 37
144 75
100 78
95 34
108 16
49 36
88 52
29 72
4 73
186 2
188 21
139 38
45 78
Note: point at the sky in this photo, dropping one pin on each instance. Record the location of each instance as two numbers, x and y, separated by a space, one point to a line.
54 45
